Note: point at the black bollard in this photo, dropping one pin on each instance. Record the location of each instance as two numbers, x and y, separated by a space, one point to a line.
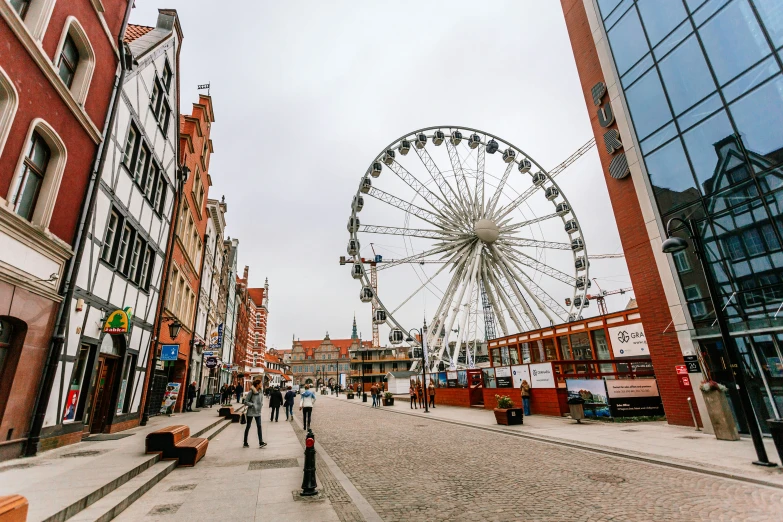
308 480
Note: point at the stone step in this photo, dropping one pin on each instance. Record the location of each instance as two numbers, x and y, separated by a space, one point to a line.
111 505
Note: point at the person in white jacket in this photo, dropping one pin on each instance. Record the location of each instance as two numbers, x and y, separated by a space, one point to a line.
306 403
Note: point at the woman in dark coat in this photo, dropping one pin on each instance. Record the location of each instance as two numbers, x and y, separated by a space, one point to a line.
275 401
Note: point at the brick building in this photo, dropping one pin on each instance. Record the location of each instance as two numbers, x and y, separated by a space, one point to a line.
326 361
59 63
688 127
183 278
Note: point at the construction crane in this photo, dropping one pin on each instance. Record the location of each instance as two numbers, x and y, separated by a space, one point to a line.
600 298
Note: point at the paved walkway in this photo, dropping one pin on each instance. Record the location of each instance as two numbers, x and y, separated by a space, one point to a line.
659 441
53 480
424 467
236 483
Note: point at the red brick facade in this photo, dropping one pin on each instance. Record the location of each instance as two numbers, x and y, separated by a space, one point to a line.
664 348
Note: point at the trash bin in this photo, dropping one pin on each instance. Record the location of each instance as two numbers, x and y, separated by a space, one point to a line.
577 408
776 430
364 397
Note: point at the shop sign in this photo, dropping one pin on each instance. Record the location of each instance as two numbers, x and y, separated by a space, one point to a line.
685 382
618 167
211 362
503 376
520 373
117 322
216 338
634 397
169 352
542 375
692 362
208 353
170 398
451 379
681 369
628 341
70 404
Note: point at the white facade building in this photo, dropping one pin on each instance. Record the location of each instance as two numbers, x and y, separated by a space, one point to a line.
100 378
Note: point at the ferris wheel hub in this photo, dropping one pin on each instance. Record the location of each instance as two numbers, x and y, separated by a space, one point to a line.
486 230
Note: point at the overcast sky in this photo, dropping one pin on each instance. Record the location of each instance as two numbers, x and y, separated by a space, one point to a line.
306 94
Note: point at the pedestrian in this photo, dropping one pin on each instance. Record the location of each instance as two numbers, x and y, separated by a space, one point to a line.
374 393
420 393
412 391
306 403
192 392
275 401
239 391
229 394
432 395
289 404
254 403
524 390
223 390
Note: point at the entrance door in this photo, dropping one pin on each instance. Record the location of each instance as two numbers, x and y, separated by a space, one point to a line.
102 393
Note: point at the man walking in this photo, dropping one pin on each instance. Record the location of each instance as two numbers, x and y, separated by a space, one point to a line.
239 391
374 393
412 391
254 402
192 392
306 403
275 401
432 395
289 404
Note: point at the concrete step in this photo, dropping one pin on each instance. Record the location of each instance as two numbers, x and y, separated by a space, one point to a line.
118 500
97 494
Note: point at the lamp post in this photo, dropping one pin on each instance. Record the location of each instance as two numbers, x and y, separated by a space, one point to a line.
423 335
672 245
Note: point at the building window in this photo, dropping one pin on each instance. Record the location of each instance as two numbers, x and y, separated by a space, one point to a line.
167 77
753 243
80 380
164 116
69 61
29 182
75 59
133 271
21 7
697 308
130 146
149 182
681 262
9 101
734 248
140 166
110 240
122 258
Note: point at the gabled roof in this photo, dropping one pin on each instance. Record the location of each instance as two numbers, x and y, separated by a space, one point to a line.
257 295
136 31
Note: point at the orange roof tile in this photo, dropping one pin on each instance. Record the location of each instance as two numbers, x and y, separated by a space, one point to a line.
135 32
257 295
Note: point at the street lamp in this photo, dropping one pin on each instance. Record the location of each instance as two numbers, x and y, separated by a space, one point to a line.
423 336
672 245
174 328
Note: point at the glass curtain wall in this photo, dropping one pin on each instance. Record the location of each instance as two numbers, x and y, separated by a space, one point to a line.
704 85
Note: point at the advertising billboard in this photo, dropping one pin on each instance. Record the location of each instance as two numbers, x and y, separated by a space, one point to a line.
542 375
593 392
520 373
503 376
628 341
634 397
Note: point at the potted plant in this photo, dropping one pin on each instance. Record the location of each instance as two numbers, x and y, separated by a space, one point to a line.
718 409
506 414
388 399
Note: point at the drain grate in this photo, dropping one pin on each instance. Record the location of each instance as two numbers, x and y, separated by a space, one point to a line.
693 437
84 453
182 487
106 436
272 464
164 509
606 478
630 430
23 465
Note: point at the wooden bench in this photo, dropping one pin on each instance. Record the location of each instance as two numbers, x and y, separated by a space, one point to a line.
225 411
166 439
13 508
191 450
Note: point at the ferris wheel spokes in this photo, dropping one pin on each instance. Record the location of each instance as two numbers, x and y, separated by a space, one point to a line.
458 206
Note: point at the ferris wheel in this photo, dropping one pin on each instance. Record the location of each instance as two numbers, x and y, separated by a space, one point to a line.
466 218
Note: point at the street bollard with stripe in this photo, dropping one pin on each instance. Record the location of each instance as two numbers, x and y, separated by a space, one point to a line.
308 481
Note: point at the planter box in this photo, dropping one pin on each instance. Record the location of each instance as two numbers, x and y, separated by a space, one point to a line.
509 416
720 414
350 395
388 402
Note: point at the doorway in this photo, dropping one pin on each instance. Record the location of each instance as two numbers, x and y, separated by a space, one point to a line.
106 375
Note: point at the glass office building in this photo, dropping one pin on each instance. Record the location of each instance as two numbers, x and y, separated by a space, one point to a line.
703 85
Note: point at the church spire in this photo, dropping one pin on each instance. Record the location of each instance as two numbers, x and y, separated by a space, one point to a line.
354 335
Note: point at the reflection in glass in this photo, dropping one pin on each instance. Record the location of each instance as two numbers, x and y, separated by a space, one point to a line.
628 42
758 117
686 75
746 46
660 17
699 112
659 138
647 102
754 77
671 41
671 177
708 150
771 12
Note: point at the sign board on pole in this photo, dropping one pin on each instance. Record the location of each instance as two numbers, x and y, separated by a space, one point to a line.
211 362
634 397
520 373
692 362
117 322
628 341
169 352
542 375
170 398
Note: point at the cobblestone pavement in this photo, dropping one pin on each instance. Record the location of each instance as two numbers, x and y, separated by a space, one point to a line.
410 468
